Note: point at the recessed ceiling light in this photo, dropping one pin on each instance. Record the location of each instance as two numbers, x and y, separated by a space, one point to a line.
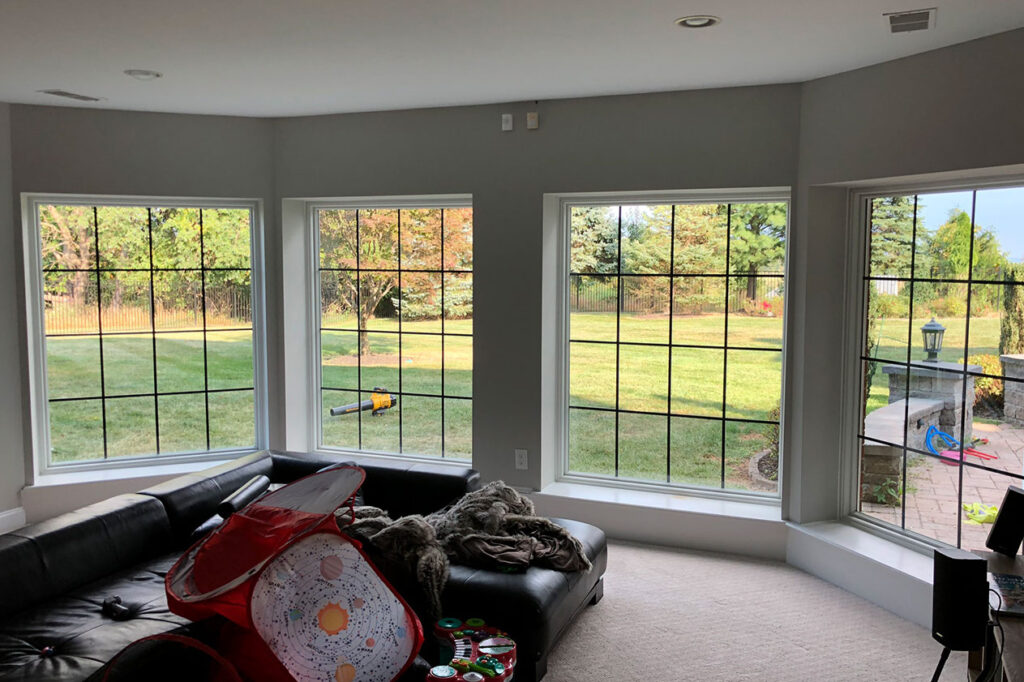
698 21
143 74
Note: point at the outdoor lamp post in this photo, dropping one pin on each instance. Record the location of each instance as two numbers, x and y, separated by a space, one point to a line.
932 333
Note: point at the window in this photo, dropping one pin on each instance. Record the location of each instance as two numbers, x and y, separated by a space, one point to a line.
941 433
146 327
675 342
396 318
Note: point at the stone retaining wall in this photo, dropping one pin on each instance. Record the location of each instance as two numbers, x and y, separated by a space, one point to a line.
1013 391
882 464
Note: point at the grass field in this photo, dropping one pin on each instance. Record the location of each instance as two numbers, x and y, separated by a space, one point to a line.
73 371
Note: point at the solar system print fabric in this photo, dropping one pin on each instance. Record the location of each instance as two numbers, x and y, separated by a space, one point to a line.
328 616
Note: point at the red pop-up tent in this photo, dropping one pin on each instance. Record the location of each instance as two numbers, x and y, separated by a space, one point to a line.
307 603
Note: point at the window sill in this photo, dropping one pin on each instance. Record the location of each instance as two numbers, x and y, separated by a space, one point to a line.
119 473
388 457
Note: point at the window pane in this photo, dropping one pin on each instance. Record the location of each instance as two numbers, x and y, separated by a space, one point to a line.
946 303
340 359
420 301
379 358
754 384
381 431
128 364
756 312
68 237
698 311
458 238
700 239
592 375
757 244
378 239
341 431
888 310
69 303
458 303
176 238
592 442
999 245
180 364
182 422
458 428
891 236
123 237
646 239
421 239
232 420
644 310
228 301
643 446
594 239
73 367
458 366
592 305
229 359
126 302
421 425
337 238
131 427
179 300
696 451
421 364
227 239
643 378
76 430
881 482
749 459
338 300
877 379
697 381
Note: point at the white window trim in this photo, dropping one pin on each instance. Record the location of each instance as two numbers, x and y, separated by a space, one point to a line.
562 203
36 330
849 489
312 268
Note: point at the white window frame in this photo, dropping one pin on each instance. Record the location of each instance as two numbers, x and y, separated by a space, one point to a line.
36 329
314 368
857 249
560 423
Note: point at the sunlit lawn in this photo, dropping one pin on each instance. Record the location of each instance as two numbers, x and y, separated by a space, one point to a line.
73 371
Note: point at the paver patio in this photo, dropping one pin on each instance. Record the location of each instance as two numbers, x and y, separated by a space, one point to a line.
932 507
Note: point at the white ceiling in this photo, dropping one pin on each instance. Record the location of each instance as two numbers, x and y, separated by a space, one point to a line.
289 57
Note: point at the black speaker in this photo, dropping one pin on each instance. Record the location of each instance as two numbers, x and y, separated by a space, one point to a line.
1008 530
959 599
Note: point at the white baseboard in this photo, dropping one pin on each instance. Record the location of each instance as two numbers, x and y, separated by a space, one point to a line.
12 519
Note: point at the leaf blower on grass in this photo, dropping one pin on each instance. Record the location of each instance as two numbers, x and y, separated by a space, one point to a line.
380 401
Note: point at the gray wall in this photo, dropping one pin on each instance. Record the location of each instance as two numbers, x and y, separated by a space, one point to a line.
12 471
743 137
114 152
954 109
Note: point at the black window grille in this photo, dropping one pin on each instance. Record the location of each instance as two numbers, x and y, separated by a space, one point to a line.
148 330
675 343
396 318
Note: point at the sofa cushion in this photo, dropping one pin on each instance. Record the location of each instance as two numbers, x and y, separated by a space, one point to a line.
193 498
399 487
69 637
49 558
534 607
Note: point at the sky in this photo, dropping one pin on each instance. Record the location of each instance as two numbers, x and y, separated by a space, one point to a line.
999 210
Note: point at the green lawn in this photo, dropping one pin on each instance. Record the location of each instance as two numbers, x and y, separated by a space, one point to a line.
651 445
73 371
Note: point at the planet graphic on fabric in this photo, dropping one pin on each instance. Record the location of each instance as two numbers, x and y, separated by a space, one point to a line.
370 642
345 673
332 619
330 567
358 603
400 632
294 615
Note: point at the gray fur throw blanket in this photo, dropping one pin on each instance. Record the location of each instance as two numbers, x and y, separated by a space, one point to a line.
494 527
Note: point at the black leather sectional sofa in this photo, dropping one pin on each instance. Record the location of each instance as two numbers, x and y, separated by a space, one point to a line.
55 575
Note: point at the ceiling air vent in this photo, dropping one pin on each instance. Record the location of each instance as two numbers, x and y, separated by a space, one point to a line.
913 20
70 95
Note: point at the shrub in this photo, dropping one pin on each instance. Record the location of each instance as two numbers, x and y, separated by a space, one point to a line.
773 442
890 305
1011 326
947 307
988 392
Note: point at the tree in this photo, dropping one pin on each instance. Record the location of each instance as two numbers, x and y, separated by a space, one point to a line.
758 241
68 242
594 240
892 236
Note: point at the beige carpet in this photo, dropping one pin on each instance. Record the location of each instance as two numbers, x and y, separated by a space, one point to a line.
671 615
